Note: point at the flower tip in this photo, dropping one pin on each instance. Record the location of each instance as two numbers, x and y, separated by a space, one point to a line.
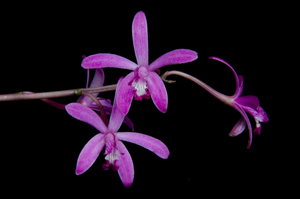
249 144
127 184
212 57
78 172
140 13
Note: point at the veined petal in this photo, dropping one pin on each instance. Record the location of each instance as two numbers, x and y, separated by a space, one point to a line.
238 128
178 56
124 94
263 114
87 115
158 91
116 118
259 116
234 73
244 115
126 170
148 142
248 101
97 81
103 60
89 153
140 38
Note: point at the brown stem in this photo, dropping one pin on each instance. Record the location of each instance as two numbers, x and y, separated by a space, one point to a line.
55 94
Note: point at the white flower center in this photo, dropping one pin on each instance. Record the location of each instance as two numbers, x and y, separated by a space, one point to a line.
140 87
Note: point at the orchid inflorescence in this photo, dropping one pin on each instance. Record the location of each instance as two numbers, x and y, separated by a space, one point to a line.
142 83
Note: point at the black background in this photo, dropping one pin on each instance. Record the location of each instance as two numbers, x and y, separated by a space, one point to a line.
43 45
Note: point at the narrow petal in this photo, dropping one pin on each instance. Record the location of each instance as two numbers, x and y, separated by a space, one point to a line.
158 91
108 108
178 56
103 60
87 115
248 101
97 81
89 153
129 123
126 170
244 115
234 73
146 141
116 118
124 94
238 128
240 89
140 38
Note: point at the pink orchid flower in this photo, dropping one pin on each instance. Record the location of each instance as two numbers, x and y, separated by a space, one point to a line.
117 156
143 81
248 103
98 81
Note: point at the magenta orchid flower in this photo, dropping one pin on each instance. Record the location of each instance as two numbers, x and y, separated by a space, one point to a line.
143 82
98 81
248 103
117 156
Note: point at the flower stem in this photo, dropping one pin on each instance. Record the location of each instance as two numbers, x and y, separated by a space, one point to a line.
223 98
54 94
101 112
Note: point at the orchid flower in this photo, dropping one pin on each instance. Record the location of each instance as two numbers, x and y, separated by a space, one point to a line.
143 81
98 81
117 156
248 103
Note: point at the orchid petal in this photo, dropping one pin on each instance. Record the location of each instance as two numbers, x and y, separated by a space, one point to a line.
238 128
148 142
240 89
87 115
257 129
263 115
129 123
88 78
158 91
234 73
103 60
89 153
97 81
124 94
259 116
248 101
126 170
244 115
116 118
140 38
106 103
108 108
178 56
